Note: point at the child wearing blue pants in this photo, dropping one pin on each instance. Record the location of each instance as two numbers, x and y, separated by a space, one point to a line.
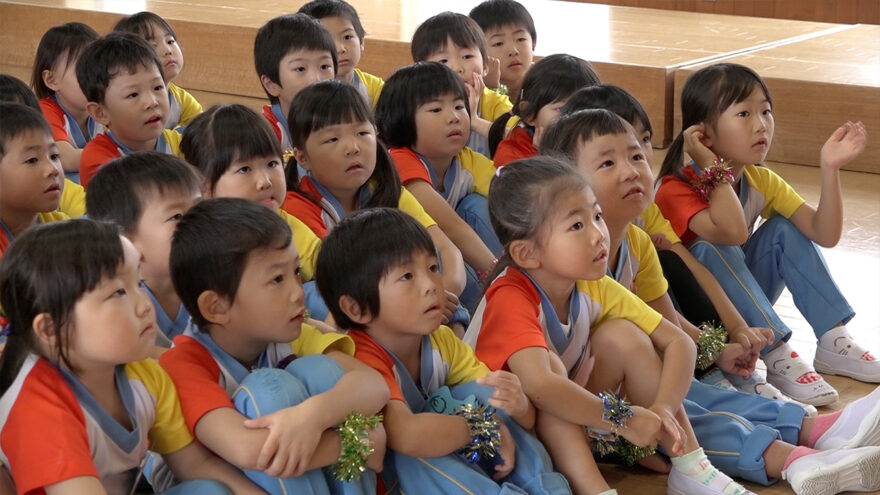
442 437
247 305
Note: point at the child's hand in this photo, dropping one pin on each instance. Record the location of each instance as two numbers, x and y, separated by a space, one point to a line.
293 437
753 339
508 394
493 74
694 147
737 360
671 432
661 242
846 143
536 138
450 308
378 440
475 90
507 453
643 429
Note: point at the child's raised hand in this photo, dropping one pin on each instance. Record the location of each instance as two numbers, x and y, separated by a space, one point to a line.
507 453
753 339
694 147
846 143
508 394
643 429
737 360
474 89
660 242
671 432
450 308
294 434
493 72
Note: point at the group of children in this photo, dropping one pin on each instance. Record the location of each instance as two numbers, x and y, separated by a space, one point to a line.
457 278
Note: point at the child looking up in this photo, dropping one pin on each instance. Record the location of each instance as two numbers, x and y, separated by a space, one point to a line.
251 354
80 401
31 178
291 52
544 91
73 196
456 41
390 297
552 302
424 117
61 99
124 84
342 22
347 169
741 433
727 115
146 193
182 107
510 37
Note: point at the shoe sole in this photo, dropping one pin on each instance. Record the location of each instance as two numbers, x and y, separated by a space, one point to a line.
823 367
833 480
822 400
868 434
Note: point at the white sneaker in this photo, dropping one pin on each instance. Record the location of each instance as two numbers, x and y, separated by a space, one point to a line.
835 471
680 484
788 372
857 426
839 354
756 385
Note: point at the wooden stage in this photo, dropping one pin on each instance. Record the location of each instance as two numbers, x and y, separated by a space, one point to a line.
820 75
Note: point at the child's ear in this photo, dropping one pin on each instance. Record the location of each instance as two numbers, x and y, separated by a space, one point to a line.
45 329
214 307
353 310
270 86
302 159
521 108
98 112
523 253
49 79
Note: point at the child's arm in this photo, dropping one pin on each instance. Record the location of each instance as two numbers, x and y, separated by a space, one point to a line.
823 225
475 252
719 223
6 484
508 396
294 432
454 276
679 354
475 90
76 486
69 156
195 462
424 434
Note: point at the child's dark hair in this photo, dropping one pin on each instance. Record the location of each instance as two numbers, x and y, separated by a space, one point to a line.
16 119
14 90
431 36
119 191
105 58
212 244
334 102
345 268
705 96
65 41
566 135
551 79
405 91
609 97
46 270
285 34
320 9
522 197
143 24
500 13
225 134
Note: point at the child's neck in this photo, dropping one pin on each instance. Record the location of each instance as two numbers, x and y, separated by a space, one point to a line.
100 381
80 115
285 108
407 348
558 290
441 165
347 198
17 221
616 233
513 89
238 344
163 291
134 145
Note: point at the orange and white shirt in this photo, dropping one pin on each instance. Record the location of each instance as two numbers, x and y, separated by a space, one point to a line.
470 172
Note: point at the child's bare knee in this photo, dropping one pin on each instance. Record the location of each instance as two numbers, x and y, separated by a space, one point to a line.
620 337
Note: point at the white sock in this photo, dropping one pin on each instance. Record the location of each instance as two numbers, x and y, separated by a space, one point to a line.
696 465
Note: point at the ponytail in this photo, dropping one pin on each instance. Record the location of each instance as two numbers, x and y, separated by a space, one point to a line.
496 132
673 162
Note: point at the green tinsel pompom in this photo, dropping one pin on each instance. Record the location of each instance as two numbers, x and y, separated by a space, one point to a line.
710 343
606 444
356 446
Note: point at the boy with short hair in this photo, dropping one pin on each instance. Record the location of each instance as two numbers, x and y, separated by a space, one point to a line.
145 194
291 52
511 37
123 81
440 417
344 25
248 353
458 42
